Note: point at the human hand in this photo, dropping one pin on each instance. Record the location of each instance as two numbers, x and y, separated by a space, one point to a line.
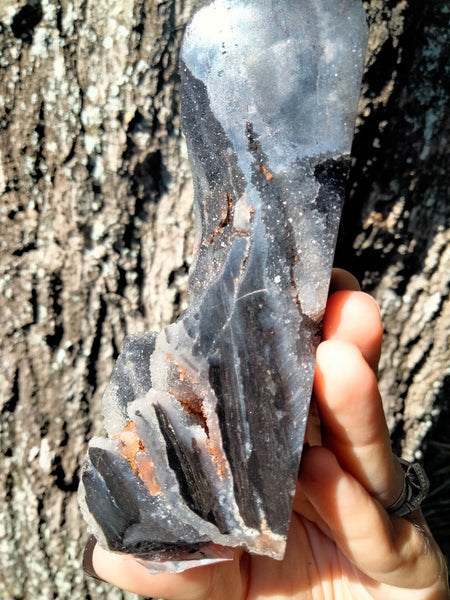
342 543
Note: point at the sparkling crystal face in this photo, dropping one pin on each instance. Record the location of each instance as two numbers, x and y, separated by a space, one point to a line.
206 419
299 86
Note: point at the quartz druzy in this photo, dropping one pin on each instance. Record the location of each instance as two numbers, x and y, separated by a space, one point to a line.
206 419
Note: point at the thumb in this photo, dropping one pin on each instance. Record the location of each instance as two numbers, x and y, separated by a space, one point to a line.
219 581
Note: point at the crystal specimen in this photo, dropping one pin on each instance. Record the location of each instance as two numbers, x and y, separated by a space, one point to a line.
206 419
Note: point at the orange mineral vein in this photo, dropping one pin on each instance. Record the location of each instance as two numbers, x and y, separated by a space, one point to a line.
134 451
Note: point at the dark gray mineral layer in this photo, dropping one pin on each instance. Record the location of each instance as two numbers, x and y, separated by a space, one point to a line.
206 419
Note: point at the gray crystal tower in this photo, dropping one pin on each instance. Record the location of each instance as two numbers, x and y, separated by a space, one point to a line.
206 419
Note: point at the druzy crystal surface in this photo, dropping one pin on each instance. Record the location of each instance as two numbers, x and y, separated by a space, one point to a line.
205 420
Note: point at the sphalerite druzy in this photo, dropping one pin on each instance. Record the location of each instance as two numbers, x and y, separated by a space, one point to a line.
206 419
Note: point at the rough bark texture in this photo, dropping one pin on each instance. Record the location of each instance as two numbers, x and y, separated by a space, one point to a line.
96 237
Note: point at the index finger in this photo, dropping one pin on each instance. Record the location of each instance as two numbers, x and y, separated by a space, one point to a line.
350 407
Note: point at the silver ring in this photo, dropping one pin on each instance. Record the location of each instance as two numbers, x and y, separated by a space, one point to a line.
415 489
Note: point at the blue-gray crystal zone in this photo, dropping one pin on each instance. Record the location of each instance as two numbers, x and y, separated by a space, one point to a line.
219 399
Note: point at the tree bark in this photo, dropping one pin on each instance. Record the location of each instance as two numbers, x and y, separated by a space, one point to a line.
96 236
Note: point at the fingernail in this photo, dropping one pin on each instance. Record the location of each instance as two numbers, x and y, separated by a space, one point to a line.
88 567
182 561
